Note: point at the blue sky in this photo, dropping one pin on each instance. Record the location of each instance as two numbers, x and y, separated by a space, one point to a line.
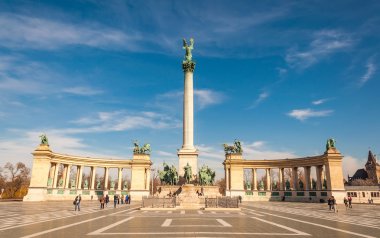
281 76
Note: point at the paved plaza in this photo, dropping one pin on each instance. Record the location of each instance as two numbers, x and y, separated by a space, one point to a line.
274 219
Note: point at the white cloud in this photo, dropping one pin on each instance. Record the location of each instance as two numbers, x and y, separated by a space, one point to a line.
258 151
262 96
38 33
123 120
320 101
82 91
371 69
324 43
350 165
206 97
303 114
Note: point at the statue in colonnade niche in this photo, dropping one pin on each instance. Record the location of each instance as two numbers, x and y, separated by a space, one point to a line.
287 185
125 186
275 185
112 185
248 185
72 183
98 184
49 182
85 184
324 184
60 183
313 184
233 149
261 185
300 184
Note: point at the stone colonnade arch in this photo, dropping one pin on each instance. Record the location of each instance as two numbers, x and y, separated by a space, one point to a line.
46 185
330 161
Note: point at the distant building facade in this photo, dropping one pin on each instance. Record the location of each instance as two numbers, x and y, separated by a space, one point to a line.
370 173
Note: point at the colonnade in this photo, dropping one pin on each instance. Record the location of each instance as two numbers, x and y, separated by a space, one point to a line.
46 184
328 168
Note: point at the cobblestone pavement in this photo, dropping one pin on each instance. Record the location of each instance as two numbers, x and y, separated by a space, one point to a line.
256 219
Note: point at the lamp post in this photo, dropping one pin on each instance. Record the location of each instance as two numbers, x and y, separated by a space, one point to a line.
152 170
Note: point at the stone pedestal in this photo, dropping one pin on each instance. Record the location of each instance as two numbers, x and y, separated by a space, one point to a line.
187 156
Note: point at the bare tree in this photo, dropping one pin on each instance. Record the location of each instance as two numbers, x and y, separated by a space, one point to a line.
17 180
221 183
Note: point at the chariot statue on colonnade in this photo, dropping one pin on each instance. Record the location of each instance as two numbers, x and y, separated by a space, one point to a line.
44 139
330 144
145 149
233 149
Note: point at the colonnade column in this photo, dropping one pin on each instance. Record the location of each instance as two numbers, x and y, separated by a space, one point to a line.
51 173
307 177
79 176
67 175
319 176
254 178
295 178
93 172
227 175
106 178
56 168
281 178
268 180
120 175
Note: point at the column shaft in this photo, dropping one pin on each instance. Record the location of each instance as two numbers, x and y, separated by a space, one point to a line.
106 178
227 178
281 178
319 177
80 173
295 178
254 178
55 175
67 177
307 178
268 180
188 112
120 177
93 173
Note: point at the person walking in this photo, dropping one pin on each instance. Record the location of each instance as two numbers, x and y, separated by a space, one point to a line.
102 201
334 205
114 200
126 199
345 200
349 201
122 199
329 202
77 201
107 200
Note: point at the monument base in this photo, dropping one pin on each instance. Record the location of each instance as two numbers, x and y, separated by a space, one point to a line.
36 195
190 157
137 195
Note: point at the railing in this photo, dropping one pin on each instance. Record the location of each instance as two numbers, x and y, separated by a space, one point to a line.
159 202
222 202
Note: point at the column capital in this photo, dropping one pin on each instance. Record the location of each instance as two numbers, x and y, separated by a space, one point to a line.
188 66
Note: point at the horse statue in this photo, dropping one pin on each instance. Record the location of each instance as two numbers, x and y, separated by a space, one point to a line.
169 175
233 149
330 144
188 173
44 139
188 48
206 176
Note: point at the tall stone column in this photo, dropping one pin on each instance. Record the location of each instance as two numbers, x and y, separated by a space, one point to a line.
227 176
319 176
295 178
79 173
67 175
188 154
55 180
281 178
93 172
307 178
268 180
106 178
254 176
120 176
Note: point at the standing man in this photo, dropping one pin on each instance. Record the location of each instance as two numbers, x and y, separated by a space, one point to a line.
114 200
77 202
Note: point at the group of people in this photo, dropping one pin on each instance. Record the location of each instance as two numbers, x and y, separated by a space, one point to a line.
117 199
332 203
104 200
